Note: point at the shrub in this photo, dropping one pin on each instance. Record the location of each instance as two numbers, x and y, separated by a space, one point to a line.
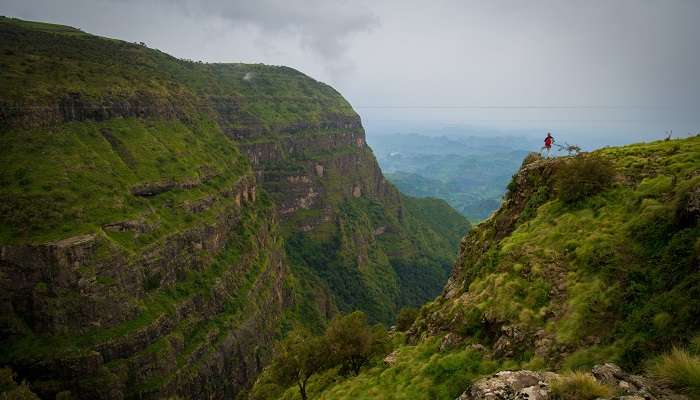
580 386
405 318
583 176
680 370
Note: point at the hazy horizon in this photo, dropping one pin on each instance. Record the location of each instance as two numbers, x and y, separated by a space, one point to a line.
598 73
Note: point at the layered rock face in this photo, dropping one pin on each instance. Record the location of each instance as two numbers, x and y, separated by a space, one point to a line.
193 315
163 221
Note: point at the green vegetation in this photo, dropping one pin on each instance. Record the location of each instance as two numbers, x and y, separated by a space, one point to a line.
352 343
583 176
579 386
404 264
77 178
348 343
612 279
620 267
142 156
406 317
44 62
11 390
297 358
680 369
418 372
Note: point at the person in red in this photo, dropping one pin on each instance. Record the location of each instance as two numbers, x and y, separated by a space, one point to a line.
548 142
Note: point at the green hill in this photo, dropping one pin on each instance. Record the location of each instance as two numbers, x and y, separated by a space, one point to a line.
163 221
571 271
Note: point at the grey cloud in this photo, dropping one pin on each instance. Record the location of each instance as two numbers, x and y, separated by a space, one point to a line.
324 27
441 53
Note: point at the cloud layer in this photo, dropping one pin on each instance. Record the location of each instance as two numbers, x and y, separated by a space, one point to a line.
627 67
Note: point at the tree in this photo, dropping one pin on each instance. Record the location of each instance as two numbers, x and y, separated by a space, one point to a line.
352 342
297 358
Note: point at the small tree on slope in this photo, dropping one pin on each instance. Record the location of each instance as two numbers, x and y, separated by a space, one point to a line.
298 357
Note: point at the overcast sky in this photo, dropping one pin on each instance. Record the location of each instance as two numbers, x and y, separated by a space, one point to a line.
616 70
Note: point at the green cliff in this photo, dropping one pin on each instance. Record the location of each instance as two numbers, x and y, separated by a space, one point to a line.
163 222
589 260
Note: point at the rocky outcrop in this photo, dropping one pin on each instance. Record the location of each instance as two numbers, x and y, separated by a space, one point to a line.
530 385
511 385
304 168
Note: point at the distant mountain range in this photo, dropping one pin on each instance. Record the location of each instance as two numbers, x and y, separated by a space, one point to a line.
470 173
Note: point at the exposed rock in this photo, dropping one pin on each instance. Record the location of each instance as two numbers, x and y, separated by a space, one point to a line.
132 225
511 385
450 341
356 191
152 189
608 374
390 359
319 170
200 205
529 385
688 211
512 340
478 347
379 231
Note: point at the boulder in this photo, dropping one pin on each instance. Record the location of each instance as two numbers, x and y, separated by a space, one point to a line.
511 385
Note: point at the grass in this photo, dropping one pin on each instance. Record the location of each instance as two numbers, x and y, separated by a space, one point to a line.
679 369
611 276
419 372
75 178
579 386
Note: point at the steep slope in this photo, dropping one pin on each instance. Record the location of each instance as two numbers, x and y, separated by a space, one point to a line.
163 221
557 285
613 277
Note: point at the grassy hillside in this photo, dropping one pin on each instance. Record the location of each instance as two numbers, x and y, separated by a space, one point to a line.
546 284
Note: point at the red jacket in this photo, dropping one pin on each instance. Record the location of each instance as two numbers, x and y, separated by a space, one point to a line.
548 141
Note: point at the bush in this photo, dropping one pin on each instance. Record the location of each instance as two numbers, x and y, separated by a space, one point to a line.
406 317
583 176
680 370
580 386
